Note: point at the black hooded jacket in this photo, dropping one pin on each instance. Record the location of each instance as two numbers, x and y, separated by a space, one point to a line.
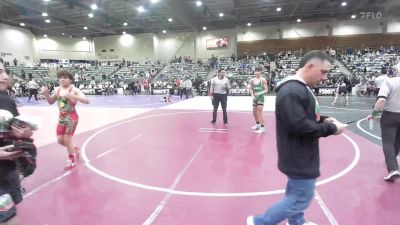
298 131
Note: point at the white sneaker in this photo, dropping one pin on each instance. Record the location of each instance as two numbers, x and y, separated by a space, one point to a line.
306 223
260 131
256 127
392 175
250 220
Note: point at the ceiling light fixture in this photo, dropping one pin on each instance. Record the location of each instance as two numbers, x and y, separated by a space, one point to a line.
93 6
45 14
298 20
63 34
22 24
353 16
140 9
164 31
46 0
344 4
170 20
85 28
125 24
221 14
278 9
154 1
199 3
123 32
84 38
204 28
47 21
90 15
45 35
249 24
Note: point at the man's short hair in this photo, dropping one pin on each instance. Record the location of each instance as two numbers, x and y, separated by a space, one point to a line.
258 68
220 70
65 73
315 54
383 71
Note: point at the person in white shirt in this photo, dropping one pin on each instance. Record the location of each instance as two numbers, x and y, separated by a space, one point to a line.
33 89
17 87
219 94
380 79
388 101
187 86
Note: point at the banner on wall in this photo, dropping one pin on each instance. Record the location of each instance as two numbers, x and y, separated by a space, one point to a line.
217 43
104 57
3 54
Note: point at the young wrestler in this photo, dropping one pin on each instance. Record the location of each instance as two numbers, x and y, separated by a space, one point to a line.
258 87
66 96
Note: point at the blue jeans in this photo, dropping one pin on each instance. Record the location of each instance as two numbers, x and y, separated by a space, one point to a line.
298 196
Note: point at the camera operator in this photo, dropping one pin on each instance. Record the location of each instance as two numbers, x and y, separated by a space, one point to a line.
10 191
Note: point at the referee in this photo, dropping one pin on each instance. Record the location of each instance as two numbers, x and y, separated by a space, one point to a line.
389 102
219 94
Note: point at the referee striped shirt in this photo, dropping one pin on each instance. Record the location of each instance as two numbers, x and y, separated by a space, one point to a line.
390 90
220 85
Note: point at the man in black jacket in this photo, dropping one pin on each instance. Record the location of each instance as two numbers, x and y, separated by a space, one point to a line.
298 128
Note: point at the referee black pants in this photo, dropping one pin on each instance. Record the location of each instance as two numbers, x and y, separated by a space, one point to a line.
390 128
33 92
223 99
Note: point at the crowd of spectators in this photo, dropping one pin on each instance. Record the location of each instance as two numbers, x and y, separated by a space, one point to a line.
364 66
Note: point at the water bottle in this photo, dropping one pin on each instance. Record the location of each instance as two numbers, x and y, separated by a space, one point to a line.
371 124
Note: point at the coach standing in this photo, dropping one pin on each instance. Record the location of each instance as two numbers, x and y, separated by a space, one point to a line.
299 126
389 102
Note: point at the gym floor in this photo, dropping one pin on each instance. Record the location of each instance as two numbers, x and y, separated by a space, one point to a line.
149 162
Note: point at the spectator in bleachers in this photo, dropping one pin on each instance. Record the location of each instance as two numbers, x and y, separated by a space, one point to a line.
138 87
92 83
360 89
187 86
332 53
349 51
342 90
181 88
371 88
131 88
23 76
152 88
17 87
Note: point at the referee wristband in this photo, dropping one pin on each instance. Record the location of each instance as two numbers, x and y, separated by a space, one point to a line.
374 113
